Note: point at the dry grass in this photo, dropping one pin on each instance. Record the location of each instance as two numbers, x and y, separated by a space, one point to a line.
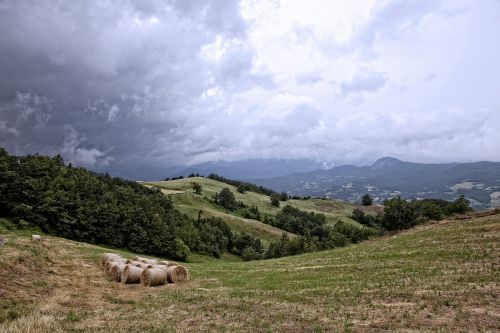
437 277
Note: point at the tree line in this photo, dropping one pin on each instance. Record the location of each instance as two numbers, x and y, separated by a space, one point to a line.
402 214
241 185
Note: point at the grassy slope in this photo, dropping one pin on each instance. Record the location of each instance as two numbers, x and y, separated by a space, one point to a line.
187 202
441 276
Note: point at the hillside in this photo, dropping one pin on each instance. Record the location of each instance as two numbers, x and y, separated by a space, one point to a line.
389 177
186 201
435 277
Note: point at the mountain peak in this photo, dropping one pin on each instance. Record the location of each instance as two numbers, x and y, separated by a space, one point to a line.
385 162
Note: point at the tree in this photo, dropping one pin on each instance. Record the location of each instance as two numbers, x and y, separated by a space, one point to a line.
367 200
459 206
275 199
226 199
358 215
242 188
196 187
399 214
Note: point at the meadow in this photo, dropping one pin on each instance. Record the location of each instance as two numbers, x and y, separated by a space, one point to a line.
186 201
436 277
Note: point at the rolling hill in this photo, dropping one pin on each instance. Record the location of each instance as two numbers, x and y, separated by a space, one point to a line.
187 202
436 277
389 177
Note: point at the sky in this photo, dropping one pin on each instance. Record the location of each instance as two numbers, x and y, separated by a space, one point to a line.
163 83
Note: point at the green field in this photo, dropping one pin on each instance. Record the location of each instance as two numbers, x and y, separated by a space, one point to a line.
189 203
436 277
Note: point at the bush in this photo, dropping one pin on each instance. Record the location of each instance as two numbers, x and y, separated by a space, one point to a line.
244 242
353 233
367 200
459 206
275 199
225 198
242 188
22 224
196 187
181 251
428 209
298 222
250 254
399 214
251 213
365 219
283 196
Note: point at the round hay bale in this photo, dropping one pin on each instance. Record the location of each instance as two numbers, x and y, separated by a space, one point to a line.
150 261
110 264
162 267
143 265
137 258
177 274
37 238
163 262
106 256
153 277
133 262
112 261
172 264
116 272
131 274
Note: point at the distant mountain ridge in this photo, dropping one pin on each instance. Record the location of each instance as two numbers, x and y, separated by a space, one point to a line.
244 169
251 168
389 177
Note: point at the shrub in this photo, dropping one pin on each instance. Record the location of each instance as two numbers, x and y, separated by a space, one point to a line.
196 187
249 253
180 251
365 219
275 199
459 206
399 214
353 233
242 188
283 196
367 200
225 198
251 213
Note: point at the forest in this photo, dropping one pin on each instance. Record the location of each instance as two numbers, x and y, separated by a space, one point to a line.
77 204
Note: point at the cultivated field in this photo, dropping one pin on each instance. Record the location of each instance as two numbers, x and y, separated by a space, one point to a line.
436 277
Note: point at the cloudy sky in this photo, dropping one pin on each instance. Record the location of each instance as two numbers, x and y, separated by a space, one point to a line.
150 82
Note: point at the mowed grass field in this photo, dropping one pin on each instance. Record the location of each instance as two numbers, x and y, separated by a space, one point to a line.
436 277
189 203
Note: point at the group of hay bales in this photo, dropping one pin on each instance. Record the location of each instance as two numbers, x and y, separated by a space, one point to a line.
148 272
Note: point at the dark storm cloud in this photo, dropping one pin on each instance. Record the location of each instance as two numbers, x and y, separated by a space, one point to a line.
100 81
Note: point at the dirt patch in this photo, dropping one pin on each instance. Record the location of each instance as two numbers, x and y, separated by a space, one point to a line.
376 209
327 206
